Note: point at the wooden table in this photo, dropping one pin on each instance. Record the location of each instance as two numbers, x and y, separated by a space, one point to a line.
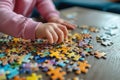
108 69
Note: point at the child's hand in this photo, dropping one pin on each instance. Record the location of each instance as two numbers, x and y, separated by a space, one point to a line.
55 33
62 21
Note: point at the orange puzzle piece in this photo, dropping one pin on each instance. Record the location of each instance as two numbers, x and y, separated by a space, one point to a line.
100 54
93 29
56 74
19 78
83 67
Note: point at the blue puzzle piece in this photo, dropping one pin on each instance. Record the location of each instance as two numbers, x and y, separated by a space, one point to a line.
61 63
46 54
85 31
39 59
5 67
87 40
45 69
12 73
88 49
72 67
25 71
2 55
82 59
26 58
2 71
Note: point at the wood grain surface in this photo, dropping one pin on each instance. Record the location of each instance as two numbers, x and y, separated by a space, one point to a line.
108 69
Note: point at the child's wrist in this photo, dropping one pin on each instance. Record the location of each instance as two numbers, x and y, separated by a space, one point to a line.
53 19
37 30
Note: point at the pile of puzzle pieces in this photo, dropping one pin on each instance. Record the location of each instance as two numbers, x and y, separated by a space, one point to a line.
19 56
105 38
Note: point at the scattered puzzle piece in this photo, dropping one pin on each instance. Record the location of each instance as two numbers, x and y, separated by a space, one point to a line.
18 78
107 43
71 55
100 54
93 29
61 63
76 57
75 78
84 27
55 54
72 67
83 67
48 64
34 77
56 73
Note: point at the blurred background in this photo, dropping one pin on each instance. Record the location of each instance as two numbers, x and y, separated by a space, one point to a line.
103 5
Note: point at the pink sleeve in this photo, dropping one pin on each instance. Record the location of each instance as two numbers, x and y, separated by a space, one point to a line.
47 9
15 24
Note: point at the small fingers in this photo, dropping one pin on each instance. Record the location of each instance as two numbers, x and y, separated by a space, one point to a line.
64 29
54 34
68 25
49 37
60 35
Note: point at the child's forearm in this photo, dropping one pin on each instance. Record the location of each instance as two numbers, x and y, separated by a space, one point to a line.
15 24
47 9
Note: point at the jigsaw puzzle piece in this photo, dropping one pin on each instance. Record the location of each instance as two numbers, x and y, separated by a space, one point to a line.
99 54
56 73
83 67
